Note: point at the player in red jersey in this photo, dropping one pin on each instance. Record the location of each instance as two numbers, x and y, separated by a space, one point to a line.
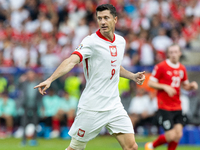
167 77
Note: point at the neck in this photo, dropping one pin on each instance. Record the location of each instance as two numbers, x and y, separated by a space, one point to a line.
108 35
173 62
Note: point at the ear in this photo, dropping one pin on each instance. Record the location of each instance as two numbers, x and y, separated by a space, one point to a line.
167 54
115 19
180 52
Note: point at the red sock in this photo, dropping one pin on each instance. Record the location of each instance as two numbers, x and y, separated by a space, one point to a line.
159 141
55 124
70 122
172 145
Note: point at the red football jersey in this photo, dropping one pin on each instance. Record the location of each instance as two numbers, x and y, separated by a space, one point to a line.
170 74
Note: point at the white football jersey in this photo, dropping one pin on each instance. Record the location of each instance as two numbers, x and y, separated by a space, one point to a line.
101 64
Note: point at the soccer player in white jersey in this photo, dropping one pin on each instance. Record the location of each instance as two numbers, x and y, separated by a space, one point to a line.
100 104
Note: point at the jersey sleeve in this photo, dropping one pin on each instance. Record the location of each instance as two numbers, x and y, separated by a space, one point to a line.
185 77
156 74
84 50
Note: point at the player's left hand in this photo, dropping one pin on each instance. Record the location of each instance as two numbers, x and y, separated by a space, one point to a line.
194 85
139 77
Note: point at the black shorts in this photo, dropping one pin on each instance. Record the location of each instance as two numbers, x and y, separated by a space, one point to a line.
167 119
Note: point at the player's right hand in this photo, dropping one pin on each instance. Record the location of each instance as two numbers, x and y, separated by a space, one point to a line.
169 90
43 86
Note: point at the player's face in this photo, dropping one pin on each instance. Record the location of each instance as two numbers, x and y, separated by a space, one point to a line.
106 21
174 54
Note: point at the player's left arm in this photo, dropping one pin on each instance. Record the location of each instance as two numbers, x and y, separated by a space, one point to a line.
138 77
190 85
186 84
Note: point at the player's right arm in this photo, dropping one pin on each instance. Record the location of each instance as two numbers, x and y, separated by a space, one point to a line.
154 81
62 69
168 89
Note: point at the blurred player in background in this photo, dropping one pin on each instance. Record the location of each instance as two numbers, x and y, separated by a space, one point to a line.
30 103
99 105
167 77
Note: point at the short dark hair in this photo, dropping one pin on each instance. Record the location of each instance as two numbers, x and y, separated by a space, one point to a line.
107 7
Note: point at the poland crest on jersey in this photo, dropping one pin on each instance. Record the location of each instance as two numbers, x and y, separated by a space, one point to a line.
113 51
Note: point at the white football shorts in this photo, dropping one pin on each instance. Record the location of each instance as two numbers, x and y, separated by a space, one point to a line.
88 124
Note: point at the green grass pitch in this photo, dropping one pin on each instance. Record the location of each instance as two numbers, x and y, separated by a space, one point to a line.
99 143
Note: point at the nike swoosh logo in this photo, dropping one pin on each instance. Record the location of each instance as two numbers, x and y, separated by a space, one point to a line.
112 61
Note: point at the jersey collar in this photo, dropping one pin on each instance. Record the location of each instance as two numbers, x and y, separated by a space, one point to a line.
102 37
172 65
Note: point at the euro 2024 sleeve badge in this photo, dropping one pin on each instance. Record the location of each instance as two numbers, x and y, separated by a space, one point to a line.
79 47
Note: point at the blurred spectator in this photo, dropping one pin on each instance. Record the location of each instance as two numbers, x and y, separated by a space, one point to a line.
30 101
149 7
66 47
65 26
7 112
141 50
185 104
140 23
177 38
178 9
145 51
155 25
127 91
164 8
161 42
142 106
124 24
123 85
51 58
90 11
126 62
193 8
129 51
12 86
134 48
80 32
72 85
50 106
68 107
31 26
20 56
3 84
131 8
16 4
66 113
31 6
17 18
191 31
45 25
76 11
